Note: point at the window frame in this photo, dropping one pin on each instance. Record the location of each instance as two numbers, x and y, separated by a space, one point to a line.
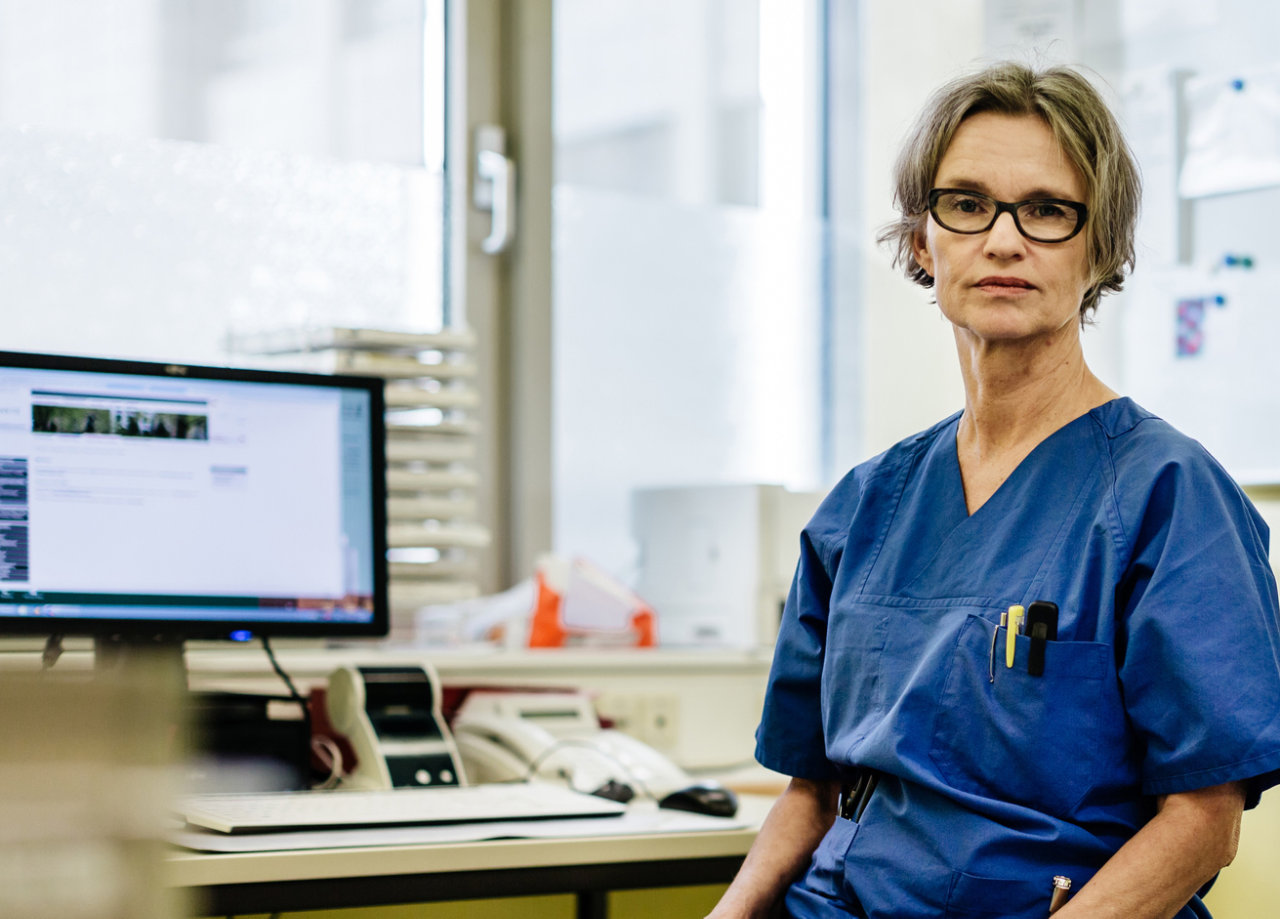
500 74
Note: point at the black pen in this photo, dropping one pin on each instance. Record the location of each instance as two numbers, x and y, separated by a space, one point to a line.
1042 626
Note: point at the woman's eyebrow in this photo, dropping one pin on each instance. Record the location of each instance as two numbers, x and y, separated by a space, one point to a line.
966 184
1033 194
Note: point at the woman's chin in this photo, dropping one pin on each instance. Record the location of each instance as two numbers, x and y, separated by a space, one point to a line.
1010 326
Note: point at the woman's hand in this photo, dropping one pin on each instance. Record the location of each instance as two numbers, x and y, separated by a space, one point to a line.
1191 838
796 824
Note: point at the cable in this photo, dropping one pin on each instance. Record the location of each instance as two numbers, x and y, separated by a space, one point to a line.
330 754
293 690
52 651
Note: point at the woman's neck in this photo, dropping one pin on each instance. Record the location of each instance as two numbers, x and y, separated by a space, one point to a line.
1016 395
1022 392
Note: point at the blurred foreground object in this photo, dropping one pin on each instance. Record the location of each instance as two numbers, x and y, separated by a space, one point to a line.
84 794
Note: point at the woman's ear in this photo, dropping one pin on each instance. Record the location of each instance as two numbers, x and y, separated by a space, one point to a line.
920 249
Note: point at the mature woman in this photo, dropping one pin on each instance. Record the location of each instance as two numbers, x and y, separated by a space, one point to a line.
1038 640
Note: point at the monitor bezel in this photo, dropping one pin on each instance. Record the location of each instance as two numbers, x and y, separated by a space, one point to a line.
179 630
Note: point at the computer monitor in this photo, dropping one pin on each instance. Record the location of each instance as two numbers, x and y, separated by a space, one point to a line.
155 503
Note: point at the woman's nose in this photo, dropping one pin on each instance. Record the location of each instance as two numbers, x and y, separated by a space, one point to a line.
1004 238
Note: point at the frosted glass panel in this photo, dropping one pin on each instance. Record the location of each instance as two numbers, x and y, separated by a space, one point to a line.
351 79
141 248
659 97
688 258
686 352
173 171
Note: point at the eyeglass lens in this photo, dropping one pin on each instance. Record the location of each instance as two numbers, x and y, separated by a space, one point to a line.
970 212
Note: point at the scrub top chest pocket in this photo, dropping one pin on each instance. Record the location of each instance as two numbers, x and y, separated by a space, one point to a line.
1040 741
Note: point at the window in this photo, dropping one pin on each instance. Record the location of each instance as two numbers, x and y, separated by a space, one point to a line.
183 179
178 171
688 256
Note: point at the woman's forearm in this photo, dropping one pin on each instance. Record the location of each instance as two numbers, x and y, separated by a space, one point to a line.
1191 838
796 824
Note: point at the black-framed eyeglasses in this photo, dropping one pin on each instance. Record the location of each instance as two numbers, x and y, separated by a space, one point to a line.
1044 220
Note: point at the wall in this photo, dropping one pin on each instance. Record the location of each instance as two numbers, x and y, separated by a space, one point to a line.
909 372
911 377
1147 49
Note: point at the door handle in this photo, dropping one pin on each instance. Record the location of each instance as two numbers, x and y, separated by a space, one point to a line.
495 188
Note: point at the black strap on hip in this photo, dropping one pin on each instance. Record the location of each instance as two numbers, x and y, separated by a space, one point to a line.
856 794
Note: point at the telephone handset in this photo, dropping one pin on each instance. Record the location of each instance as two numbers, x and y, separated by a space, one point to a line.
344 705
496 749
606 763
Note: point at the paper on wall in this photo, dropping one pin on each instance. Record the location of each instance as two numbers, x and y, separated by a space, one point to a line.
1233 133
1199 352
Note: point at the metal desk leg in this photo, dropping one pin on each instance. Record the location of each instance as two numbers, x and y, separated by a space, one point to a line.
593 904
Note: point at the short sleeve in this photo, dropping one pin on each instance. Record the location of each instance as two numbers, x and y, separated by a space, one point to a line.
789 739
1199 642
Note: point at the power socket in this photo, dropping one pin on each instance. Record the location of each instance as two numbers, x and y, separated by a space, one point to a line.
660 716
653 718
621 710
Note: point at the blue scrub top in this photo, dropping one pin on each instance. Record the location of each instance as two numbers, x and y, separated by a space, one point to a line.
1165 676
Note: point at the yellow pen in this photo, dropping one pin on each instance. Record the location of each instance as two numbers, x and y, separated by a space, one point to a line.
1011 637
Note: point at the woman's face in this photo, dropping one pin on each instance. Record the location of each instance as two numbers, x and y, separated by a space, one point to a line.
998 285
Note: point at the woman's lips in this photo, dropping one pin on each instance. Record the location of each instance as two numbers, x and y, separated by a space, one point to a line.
1002 284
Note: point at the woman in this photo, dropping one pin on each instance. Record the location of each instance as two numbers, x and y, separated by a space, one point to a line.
972 760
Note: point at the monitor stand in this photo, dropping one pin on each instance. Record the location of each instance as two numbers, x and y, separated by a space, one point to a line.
156 656
229 741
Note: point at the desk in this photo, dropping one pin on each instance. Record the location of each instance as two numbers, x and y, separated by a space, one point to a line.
379 876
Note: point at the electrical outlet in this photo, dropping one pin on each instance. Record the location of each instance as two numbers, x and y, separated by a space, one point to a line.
621 710
649 718
659 717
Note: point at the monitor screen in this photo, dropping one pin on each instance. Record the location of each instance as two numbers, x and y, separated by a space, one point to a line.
189 502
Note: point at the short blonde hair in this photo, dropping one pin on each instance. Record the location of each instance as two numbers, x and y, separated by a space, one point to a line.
1084 127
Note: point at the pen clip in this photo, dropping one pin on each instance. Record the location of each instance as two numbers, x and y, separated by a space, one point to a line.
995 634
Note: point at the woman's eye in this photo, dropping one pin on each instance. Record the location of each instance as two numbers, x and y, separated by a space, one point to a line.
968 205
1048 210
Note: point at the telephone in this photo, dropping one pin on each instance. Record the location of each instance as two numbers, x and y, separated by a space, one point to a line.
608 763
391 718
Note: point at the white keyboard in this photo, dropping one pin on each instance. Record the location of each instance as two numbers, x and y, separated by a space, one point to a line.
291 811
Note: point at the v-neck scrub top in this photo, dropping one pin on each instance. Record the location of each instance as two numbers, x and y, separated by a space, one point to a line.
1164 678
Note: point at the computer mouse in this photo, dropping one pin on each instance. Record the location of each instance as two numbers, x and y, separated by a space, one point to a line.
613 790
715 800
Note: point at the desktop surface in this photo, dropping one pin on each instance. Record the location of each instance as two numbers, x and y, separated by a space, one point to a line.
375 875
282 812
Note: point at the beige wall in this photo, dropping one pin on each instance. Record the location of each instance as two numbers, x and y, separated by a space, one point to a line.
1250 887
